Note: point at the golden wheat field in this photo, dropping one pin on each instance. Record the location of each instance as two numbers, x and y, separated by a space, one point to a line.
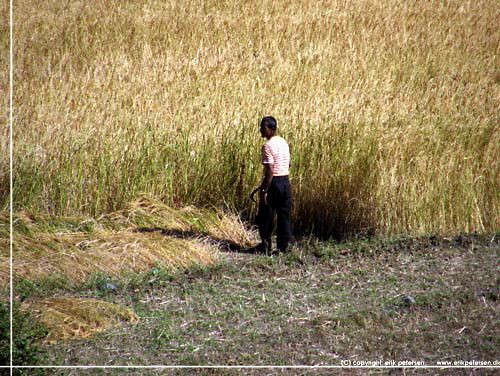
391 108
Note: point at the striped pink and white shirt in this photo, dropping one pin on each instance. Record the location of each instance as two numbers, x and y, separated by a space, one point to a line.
276 152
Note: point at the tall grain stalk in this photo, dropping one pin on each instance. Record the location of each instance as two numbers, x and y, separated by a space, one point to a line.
390 108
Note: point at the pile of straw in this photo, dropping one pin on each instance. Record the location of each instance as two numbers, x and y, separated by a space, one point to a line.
68 317
144 235
77 256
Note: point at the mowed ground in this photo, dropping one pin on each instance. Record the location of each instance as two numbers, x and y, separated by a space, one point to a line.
428 300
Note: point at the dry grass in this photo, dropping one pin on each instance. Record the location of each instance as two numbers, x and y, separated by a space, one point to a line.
145 235
390 108
150 214
77 257
70 317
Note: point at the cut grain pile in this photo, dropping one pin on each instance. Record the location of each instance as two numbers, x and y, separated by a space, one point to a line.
145 235
77 256
67 317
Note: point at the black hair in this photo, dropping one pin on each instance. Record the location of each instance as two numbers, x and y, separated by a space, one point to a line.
270 121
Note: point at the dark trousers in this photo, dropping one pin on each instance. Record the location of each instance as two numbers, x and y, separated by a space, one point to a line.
279 200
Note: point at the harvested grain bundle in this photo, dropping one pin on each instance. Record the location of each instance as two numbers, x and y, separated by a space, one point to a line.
145 234
76 257
149 214
69 317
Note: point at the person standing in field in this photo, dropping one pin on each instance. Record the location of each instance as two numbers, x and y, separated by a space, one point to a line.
275 190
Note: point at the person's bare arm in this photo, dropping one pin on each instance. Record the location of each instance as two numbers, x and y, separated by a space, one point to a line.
268 177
